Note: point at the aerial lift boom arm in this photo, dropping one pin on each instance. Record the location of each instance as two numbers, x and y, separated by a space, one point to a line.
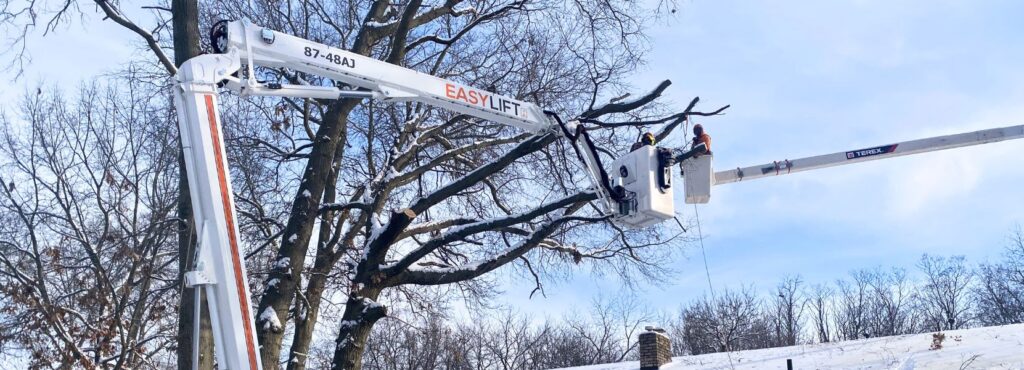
869 154
699 178
371 78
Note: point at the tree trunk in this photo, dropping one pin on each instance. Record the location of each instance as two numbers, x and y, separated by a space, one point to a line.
361 312
298 230
326 257
296 235
306 323
185 20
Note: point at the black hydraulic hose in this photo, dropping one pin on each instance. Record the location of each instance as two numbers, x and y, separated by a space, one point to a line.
219 36
581 131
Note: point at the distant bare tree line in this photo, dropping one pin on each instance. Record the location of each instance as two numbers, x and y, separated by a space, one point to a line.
501 339
948 294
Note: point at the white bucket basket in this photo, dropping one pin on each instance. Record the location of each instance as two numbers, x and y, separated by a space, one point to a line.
649 203
697 179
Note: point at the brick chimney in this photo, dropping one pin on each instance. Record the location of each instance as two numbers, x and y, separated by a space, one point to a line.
655 348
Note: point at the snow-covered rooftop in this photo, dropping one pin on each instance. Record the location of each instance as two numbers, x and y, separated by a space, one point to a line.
998 347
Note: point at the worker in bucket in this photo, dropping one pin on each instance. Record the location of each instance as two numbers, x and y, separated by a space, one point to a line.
699 136
646 139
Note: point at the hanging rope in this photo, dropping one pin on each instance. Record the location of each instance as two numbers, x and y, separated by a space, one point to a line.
707 273
700 237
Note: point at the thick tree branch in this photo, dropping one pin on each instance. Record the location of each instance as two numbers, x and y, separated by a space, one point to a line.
473 270
667 130
380 240
402 33
427 227
622 107
517 5
329 207
114 14
460 232
526 147
673 121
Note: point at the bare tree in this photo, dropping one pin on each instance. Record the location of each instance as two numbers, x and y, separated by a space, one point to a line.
397 197
610 332
945 292
372 170
819 299
999 298
852 306
1000 286
891 310
511 340
562 347
786 312
729 322
506 340
22 19
87 261
436 344
677 332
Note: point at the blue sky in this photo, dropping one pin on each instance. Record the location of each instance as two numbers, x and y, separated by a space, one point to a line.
807 78
803 78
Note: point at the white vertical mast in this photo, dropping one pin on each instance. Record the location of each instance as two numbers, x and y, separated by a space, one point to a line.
220 264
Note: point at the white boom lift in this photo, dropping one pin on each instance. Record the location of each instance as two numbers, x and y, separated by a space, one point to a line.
637 194
699 177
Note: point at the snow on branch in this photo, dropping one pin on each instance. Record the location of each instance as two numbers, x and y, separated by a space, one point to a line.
421 137
375 24
327 207
436 12
376 29
448 155
426 227
459 232
526 147
516 5
439 276
269 319
460 11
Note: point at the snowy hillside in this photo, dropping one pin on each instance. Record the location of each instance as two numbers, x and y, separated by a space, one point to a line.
1000 347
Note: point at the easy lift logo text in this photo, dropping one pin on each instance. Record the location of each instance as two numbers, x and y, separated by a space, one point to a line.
482 99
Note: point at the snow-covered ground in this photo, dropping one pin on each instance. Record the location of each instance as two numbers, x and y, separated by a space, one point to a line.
999 347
